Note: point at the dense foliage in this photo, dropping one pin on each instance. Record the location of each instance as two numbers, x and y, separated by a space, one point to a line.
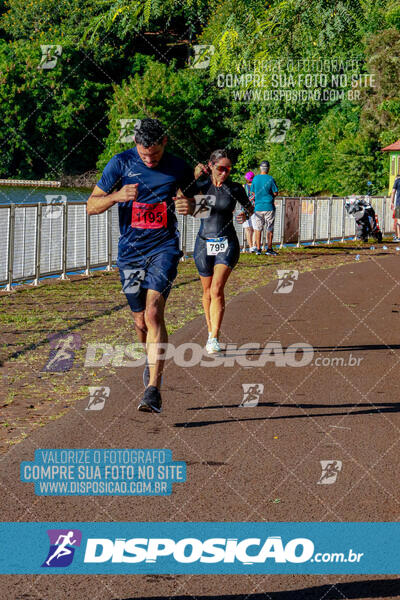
126 59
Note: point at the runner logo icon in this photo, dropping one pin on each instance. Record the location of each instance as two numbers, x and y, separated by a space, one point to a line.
202 56
330 471
62 547
50 54
133 279
98 397
251 394
203 206
53 208
62 352
128 128
287 277
278 129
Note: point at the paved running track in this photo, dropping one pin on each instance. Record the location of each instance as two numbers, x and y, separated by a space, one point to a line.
249 463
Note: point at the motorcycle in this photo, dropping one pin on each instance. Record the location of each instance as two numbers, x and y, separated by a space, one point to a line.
367 224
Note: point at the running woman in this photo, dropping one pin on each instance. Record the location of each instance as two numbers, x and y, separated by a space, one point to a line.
145 179
248 225
217 248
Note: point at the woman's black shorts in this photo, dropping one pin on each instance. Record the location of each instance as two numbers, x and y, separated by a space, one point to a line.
205 263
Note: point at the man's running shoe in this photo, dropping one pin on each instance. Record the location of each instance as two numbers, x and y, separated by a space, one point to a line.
146 375
151 401
271 252
258 252
212 346
253 249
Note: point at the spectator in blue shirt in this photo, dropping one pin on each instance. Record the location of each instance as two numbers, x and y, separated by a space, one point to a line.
265 190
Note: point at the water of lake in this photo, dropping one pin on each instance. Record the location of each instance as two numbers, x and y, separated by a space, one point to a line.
29 195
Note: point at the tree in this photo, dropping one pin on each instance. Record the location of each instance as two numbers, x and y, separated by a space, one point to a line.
192 113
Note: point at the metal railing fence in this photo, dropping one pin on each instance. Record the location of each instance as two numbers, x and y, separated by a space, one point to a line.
40 240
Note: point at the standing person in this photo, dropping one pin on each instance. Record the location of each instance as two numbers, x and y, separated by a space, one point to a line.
145 179
265 190
395 207
248 225
217 248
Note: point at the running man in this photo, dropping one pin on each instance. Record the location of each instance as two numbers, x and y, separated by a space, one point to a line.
248 225
217 248
265 190
62 549
142 181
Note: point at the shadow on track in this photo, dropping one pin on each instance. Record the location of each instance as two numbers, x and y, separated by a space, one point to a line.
256 351
370 409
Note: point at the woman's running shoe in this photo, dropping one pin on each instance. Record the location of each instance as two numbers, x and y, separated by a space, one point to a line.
212 346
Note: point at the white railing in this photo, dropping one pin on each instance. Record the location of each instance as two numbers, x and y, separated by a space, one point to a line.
39 240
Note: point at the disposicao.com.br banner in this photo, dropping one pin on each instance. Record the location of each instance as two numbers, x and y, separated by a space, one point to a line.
204 548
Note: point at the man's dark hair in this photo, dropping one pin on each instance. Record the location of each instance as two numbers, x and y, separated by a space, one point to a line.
264 165
149 132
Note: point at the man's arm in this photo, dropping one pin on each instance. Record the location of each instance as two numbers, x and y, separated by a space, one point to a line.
184 205
102 197
274 190
99 201
187 189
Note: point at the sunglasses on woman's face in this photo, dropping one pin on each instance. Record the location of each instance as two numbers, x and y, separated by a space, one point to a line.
222 169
